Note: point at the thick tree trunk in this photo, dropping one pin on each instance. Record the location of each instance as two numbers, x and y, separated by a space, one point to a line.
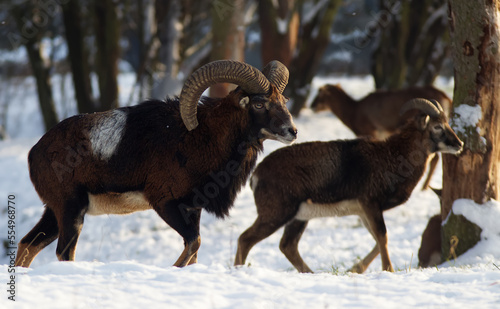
313 42
428 42
411 48
279 30
78 56
475 47
389 66
43 83
107 31
228 41
39 65
167 14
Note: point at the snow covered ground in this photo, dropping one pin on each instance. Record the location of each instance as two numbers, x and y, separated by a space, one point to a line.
125 261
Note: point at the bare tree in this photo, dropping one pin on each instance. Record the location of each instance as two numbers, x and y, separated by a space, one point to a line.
411 43
168 33
475 33
228 41
78 55
316 25
279 24
31 25
107 35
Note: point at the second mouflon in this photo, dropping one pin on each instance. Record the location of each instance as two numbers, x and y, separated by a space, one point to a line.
347 177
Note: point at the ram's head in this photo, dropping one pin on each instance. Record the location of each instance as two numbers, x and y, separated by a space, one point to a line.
261 95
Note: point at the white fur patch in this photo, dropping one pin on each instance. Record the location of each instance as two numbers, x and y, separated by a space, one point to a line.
106 134
253 182
309 210
117 203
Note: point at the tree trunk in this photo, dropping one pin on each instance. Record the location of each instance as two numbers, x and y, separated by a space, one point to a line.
412 45
43 83
107 31
228 41
428 41
389 66
279 30
148 46
195 43
78 56
314 39
38 64
474 173
167 15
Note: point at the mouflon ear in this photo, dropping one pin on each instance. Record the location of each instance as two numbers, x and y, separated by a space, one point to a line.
244 101
423 121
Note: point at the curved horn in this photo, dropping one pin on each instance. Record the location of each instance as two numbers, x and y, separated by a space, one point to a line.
277 73
423 105
250 79
436 103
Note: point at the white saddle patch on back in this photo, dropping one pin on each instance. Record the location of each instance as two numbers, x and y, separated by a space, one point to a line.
117 203
106 134
309 210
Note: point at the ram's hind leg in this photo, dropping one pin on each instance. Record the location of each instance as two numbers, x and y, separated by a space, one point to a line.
289 244
186 221
42 234
362 265
70 222
261 229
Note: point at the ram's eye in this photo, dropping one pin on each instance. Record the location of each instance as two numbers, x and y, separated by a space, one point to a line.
258 105
438 128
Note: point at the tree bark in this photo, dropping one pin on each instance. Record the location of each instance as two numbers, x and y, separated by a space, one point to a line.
428 41
279 30
107 31
39 65
78 56
43 83
167 15
314 39
412 44
228 41
389 66
473 174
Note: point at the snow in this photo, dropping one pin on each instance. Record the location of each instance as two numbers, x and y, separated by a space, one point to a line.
486 217
282 24
125 261
466 116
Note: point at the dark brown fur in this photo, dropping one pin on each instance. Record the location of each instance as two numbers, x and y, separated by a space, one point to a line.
429 253
380 175
377 114
178 172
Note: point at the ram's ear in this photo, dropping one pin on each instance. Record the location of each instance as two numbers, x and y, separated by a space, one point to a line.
423 121
244 101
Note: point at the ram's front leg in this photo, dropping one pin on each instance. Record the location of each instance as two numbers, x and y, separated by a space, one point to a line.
186 221
373 220
379 233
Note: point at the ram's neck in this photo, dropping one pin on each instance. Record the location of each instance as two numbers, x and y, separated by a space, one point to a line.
409 153
230 155
345 108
